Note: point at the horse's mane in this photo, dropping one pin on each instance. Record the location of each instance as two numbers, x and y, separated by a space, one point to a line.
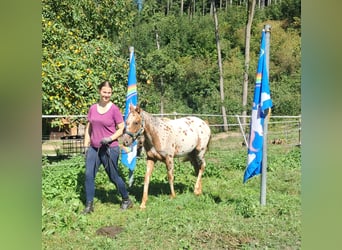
154 120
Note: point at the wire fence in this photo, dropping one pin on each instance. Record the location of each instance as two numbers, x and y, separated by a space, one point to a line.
63 135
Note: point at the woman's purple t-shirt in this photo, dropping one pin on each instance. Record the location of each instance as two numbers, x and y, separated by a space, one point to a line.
103 125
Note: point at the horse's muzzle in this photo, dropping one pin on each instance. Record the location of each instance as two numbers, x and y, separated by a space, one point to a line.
127 140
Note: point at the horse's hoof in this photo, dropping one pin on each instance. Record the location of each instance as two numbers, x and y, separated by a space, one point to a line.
197 192
142 206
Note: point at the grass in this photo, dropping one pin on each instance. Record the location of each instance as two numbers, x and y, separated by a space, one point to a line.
226 216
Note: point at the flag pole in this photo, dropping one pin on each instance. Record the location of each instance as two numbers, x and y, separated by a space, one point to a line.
131 51
131 172
267 28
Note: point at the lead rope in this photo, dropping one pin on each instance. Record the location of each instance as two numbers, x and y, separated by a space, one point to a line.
97 156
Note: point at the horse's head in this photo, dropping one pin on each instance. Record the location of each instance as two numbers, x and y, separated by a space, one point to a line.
134 126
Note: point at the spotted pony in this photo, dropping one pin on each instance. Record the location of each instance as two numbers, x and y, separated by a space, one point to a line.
165 139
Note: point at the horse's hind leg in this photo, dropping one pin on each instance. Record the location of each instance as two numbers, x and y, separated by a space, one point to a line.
169 162
197 157
199 166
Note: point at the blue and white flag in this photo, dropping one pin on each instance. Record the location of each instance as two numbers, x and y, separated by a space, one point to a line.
129 154
261 103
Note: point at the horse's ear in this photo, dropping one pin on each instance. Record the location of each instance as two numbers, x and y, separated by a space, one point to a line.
131 107
138 109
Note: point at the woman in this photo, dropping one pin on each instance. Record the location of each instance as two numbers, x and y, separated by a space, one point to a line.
105 125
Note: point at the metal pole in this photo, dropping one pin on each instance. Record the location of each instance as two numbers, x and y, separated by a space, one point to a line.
131 51
267 28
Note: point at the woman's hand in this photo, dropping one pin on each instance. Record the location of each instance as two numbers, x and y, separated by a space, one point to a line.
106 140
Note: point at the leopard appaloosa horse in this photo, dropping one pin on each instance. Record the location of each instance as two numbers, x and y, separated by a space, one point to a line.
165 139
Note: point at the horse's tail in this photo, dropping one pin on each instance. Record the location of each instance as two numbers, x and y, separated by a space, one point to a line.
209 142
210 136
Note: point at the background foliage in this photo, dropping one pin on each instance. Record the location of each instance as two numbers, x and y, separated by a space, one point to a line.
86 42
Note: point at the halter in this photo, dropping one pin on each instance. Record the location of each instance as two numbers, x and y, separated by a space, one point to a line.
140 131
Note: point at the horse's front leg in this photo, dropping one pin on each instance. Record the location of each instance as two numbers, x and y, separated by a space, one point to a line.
149 170
169 162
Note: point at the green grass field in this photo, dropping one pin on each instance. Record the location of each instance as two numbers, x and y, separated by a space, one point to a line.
227 216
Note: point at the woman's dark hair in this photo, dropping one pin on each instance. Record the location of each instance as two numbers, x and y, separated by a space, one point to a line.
105 84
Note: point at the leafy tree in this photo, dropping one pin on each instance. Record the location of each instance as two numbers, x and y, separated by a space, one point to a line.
79 53
288 10
92 18
70 76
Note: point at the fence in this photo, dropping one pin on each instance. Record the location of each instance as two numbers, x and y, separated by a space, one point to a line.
67 138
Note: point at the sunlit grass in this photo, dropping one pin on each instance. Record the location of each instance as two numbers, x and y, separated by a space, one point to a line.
227 215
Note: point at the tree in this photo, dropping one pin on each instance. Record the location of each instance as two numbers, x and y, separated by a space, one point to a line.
70 75
78 53
219 60
251 7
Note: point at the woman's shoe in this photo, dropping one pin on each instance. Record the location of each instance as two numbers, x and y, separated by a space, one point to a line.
125 204
89 208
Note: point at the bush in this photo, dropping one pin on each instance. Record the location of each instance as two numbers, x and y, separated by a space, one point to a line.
62 185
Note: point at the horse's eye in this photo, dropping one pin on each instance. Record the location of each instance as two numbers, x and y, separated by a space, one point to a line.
136 123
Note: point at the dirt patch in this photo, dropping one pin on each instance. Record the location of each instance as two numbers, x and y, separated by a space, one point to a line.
224 241
225 135
109 231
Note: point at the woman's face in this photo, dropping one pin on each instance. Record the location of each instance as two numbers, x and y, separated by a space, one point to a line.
105 94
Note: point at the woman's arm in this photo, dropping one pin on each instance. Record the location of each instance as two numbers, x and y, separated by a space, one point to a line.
87 133
119 131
